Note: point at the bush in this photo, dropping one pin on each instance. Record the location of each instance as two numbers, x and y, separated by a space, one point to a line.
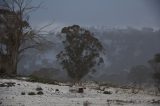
80 90
31 93
107 92
23 93
39 89
39 93
41 80
57 90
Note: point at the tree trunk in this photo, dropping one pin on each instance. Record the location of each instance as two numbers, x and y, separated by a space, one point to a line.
14 62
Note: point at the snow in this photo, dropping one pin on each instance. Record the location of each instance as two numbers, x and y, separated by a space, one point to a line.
11 96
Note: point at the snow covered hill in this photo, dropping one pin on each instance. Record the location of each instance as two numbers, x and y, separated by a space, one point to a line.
21 93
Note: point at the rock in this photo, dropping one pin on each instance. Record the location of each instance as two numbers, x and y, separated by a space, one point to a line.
57 90
107 92
39 89
31 93
80 90
39 93
23 93
7 84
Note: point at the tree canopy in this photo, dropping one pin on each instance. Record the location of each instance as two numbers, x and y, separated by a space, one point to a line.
81 51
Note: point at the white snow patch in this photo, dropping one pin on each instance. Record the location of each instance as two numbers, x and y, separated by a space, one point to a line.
11 96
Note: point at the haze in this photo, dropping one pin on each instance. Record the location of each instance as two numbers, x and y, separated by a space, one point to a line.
135 13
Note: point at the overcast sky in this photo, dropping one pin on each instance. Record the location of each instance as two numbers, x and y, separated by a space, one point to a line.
99 12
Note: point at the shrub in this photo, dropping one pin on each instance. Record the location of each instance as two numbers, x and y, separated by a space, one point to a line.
41 80
31 93
23 93
39 93
57 90
80 90
39 89
107 92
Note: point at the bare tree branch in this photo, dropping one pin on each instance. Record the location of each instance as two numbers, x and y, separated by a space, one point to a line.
19 34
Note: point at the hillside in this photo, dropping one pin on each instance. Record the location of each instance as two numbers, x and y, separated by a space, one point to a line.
21 93
124 49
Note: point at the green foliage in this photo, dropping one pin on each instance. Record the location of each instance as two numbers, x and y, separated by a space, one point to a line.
81 51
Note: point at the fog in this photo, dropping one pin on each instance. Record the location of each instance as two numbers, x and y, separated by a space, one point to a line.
128 30
137 13
124 49
88 52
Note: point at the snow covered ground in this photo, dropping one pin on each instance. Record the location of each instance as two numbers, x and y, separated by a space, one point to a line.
12 96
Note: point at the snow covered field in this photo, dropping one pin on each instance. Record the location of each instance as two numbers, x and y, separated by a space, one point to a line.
59 95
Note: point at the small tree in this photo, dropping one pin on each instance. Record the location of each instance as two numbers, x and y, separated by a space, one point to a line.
155 64
81 51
